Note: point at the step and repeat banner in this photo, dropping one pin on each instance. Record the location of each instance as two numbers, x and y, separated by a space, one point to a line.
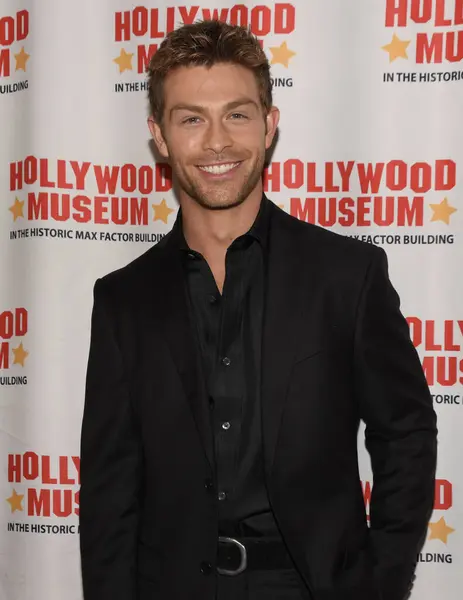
371 96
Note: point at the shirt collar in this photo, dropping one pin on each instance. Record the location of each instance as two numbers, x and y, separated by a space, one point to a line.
259 229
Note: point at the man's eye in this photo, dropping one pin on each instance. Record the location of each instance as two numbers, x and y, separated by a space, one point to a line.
238 116
190 120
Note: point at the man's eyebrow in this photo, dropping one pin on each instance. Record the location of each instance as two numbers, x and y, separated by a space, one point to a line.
190 107
241 102
201 110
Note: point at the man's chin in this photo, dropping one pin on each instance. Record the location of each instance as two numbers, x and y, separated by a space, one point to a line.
218 199
220 204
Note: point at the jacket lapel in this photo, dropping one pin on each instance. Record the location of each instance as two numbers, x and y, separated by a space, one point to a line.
288 292
175 322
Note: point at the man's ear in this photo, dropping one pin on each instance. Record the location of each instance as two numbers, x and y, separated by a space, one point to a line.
271 123
158 137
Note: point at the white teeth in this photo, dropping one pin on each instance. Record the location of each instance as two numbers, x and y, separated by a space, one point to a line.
219 169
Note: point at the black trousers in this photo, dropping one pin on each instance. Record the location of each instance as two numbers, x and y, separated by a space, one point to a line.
284 584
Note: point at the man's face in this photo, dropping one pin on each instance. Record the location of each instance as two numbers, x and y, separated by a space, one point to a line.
215 133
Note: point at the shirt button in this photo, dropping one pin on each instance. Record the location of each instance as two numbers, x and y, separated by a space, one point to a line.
226 361
191 255
222 495
205 568
212 299
226 425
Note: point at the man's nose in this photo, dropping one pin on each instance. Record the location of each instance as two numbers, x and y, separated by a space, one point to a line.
217 137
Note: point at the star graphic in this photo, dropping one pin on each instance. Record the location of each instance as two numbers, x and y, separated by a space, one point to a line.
397 48
161 211
15 501
442 211
16 209
21 60
124 60
281 55
20 355
440 530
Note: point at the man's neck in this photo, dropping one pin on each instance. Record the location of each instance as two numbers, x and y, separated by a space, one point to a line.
211 232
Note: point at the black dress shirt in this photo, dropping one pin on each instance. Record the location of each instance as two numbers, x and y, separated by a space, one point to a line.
229 333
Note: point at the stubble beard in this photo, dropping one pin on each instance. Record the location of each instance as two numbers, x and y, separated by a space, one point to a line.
219 198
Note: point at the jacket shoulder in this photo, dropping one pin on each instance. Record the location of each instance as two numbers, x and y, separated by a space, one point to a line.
137 271
332 246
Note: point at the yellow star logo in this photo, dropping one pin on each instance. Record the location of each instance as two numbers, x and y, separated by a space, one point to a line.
397 48
15 501
161 211
440 530
21 60
281 55
16 209
442 211
20 355
124 60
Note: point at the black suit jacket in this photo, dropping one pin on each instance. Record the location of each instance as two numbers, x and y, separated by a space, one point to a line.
336 349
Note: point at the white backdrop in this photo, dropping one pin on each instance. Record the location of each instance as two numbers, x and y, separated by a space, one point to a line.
371 95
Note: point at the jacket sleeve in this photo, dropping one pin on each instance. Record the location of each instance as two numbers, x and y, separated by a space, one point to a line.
400 434
110 466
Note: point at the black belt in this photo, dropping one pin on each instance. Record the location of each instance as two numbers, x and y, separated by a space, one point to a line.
236 555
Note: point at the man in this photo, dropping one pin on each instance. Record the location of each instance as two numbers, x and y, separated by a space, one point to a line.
229 368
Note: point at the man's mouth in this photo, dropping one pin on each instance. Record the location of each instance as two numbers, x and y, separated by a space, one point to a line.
218 169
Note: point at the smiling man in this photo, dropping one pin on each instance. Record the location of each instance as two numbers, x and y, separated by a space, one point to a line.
229 368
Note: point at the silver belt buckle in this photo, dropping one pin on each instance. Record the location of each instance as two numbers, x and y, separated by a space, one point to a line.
244 557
